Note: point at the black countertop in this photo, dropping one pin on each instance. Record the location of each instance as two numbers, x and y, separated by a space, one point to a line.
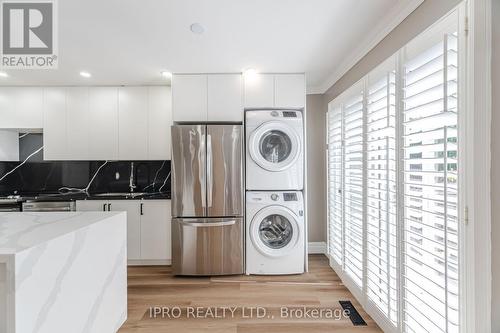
88 196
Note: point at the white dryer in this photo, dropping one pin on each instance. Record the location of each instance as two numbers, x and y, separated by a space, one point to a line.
274 150
275 229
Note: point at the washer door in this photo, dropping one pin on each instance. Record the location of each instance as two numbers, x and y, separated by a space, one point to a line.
274 231
274 146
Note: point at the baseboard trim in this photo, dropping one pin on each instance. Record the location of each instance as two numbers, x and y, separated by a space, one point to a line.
316 247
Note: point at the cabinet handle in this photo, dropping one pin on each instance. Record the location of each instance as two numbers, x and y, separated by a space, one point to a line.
142 212
109 207
103 207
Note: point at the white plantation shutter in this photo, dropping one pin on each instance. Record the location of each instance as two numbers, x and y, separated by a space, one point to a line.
430 258
353 187
393 176
335 201
381 190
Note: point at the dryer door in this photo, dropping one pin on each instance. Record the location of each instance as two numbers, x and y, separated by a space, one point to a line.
275 231
274 146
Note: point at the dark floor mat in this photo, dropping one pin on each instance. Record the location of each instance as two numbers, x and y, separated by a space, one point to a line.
354 315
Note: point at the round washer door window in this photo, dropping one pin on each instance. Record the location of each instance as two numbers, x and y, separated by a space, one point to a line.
274 146
274 231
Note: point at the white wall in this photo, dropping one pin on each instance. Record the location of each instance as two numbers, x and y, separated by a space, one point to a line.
495 169
316 169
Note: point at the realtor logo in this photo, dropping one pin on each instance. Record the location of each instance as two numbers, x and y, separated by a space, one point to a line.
28 34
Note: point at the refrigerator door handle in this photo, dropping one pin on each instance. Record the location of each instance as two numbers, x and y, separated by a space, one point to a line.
210 171
208 224
202 169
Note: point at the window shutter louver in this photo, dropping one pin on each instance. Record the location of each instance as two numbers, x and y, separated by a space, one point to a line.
381 192
353 187
430 250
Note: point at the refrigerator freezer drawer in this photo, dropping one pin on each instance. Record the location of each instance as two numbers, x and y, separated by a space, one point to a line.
207 246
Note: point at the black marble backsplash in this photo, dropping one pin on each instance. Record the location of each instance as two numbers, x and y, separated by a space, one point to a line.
49 177
37 176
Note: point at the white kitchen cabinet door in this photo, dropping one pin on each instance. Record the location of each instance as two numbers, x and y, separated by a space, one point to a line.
259 91
29 106
21 107
133 123
77 123
189 97
103 120
290 90
225 97
156 230
55 145
91 205
160 120
7 107
132 208
9 146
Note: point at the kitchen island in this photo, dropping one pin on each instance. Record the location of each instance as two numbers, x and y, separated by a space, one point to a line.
63 272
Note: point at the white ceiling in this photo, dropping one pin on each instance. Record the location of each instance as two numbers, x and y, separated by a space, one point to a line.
128 42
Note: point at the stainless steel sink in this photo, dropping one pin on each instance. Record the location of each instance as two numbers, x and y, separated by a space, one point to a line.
120 194
137 194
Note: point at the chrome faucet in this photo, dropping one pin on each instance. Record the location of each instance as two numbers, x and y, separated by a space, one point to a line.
131 184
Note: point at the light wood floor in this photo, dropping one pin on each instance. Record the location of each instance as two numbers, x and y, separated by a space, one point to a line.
320 288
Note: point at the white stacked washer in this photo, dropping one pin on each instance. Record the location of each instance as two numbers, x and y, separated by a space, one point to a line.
275 224
274 150
275 232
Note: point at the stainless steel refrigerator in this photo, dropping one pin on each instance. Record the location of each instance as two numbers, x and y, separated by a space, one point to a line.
207 199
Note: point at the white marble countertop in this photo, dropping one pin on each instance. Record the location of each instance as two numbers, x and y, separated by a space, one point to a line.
21 231
63 272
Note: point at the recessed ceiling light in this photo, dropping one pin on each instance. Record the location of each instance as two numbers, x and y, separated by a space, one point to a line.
197 28
85 74
166 74
3 74
250 73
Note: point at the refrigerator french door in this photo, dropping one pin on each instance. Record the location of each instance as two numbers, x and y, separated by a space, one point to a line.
207 199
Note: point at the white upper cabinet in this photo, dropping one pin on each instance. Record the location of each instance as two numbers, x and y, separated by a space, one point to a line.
77 123
107 123
225 97
21 107
259 91
103 121
207 97
7 108
54 124
289 90
159 120
133 123
189 97
65 123
275 91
